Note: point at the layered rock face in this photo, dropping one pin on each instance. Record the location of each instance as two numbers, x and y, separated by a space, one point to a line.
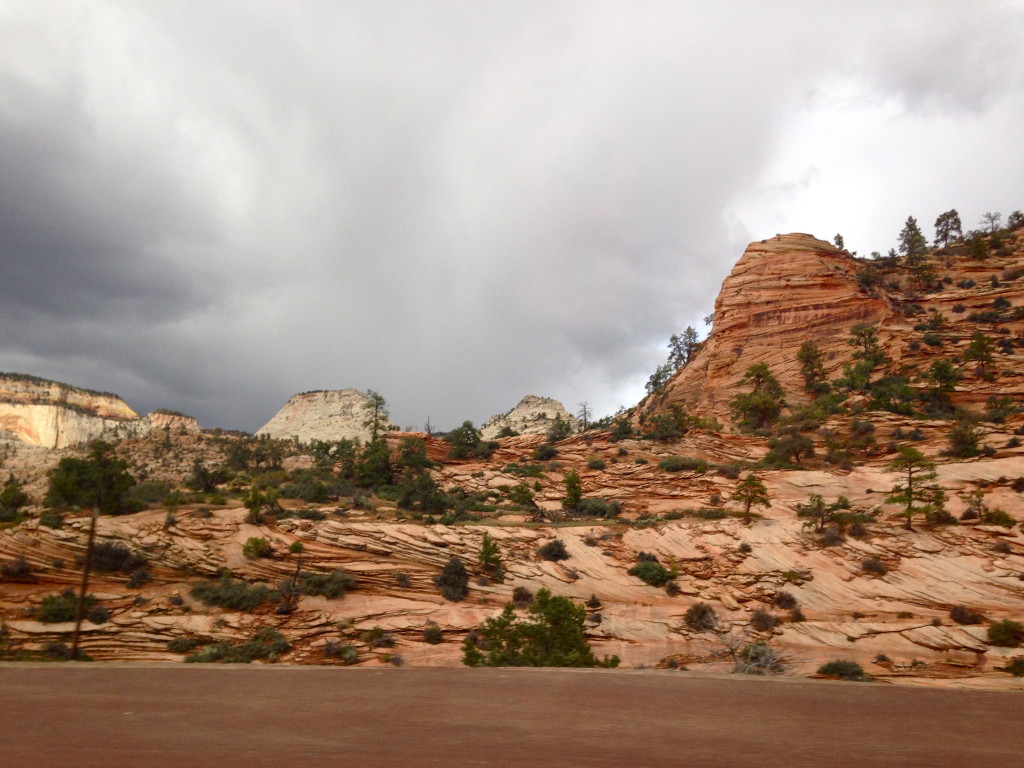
533 416
322 415
782 292
54 415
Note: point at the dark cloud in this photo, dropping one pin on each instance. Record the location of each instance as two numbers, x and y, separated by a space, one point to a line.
212 206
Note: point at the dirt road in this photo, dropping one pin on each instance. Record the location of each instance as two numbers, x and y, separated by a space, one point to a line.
221 716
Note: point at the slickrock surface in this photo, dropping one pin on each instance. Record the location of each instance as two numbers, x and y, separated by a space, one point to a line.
532 416
322 415
896 623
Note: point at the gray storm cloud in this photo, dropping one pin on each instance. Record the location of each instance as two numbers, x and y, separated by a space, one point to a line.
212 206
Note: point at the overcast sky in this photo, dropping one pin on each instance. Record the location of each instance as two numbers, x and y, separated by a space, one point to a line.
210 206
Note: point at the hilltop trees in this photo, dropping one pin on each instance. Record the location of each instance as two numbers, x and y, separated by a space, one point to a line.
912 240
377 416
682 347
948 227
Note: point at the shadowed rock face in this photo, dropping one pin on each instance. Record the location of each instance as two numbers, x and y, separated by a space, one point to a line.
532 416
323 415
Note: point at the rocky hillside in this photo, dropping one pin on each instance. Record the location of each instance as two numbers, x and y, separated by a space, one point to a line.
532 416
50 414
321 415
824 566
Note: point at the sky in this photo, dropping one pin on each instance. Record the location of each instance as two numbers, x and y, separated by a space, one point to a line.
212 206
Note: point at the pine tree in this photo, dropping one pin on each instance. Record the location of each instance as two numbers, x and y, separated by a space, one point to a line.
912 240
918 494
751 492
948 227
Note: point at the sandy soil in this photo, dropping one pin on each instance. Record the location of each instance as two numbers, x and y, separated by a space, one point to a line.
143 715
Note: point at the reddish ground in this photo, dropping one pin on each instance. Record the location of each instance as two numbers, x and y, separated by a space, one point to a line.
190 716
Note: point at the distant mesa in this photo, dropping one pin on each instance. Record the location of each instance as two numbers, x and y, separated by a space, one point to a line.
51 414
533 416
322 415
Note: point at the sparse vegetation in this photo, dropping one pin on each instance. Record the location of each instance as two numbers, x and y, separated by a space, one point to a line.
844 669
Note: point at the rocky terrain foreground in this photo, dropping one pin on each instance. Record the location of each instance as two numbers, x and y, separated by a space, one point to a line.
864 588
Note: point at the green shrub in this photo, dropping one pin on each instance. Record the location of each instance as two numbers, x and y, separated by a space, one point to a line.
432 634
545 452
256 547
265 645
762 620
113 556
874 566
1015 666
330 585
553 550
701 617
17 569
961 614
594 462
186 644
56 609
150 491
601 508
784 600
998 517
137 578
844 669
453 581
711 513
522 596
98 614
680 463
376 637
344 652
231 594
51 518
652 573
1006 633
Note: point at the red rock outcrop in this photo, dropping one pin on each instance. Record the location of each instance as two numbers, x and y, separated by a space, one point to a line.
782 292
